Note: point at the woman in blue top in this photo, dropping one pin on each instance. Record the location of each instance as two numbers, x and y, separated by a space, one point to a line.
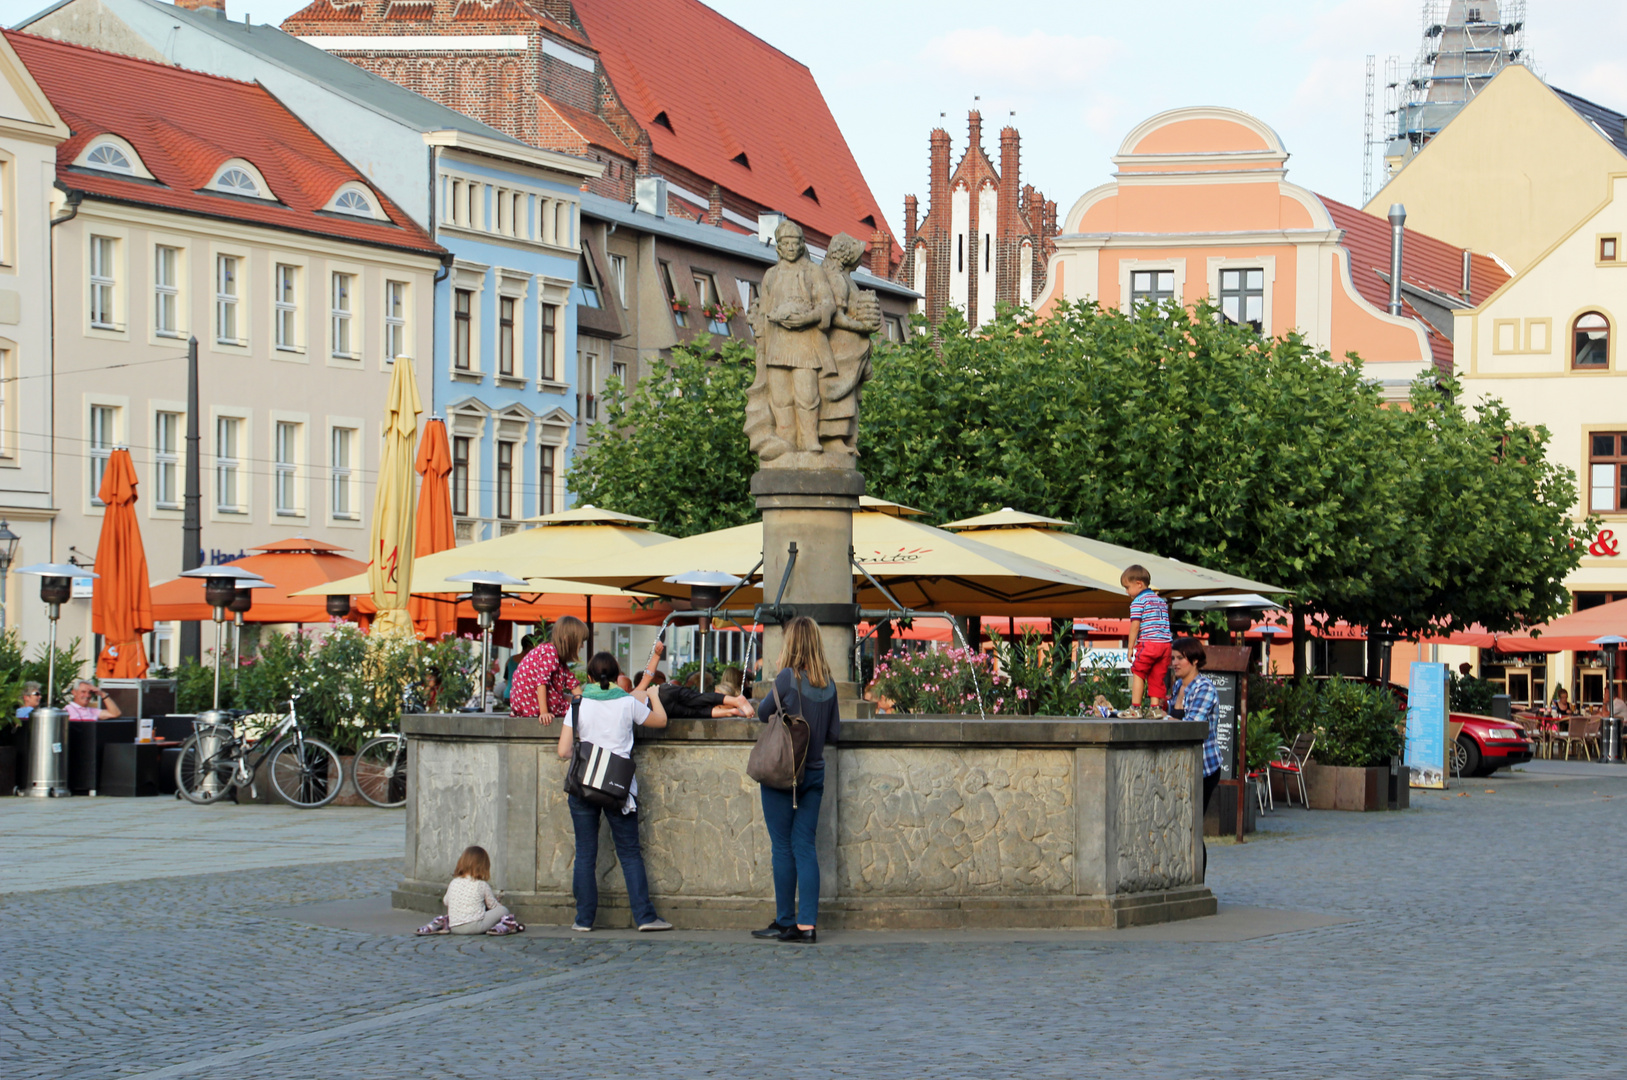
803 686
1193 697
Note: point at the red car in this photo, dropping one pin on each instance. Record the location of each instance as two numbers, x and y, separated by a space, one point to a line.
1485 744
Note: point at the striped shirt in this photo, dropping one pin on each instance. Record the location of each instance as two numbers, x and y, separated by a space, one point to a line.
1203 703
1150 608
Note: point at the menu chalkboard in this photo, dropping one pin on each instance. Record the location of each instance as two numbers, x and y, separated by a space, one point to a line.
1226 720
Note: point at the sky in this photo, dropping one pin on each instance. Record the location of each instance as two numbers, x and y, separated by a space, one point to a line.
1075 77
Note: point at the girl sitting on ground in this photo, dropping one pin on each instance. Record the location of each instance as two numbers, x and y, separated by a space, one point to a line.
471 906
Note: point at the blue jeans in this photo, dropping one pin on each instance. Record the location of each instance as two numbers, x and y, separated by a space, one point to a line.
791 837
585 880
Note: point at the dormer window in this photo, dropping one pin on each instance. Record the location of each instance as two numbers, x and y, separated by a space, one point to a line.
238 177
111 154
811 194
661 118
354 199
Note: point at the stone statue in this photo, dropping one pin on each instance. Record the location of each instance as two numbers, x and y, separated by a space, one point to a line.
813 351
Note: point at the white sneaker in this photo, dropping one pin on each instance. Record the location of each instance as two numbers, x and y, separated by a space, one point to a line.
580 929
655 925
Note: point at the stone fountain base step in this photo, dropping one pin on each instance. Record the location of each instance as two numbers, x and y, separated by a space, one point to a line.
884 913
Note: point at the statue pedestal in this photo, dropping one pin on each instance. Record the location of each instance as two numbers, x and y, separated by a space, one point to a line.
812 507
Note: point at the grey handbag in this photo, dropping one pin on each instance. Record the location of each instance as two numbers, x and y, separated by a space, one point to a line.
781 750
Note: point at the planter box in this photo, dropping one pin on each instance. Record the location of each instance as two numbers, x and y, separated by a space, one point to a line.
1338 787
1221 820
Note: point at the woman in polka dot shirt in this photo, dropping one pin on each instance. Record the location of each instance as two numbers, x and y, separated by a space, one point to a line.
543 683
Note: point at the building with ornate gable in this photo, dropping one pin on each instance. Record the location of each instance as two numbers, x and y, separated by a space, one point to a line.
986 237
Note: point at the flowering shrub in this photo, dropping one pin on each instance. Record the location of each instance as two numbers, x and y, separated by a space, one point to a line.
950 681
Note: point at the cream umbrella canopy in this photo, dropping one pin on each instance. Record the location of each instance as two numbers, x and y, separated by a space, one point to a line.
390 557
1042 538
925 569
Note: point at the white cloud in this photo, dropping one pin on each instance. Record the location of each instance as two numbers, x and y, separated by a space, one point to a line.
1034 61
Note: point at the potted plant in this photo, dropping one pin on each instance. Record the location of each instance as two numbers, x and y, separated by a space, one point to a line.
1360 732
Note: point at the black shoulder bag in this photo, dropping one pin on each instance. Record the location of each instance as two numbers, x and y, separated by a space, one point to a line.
595 775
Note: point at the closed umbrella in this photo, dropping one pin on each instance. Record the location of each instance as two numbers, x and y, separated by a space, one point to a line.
121 606
389 569
434 615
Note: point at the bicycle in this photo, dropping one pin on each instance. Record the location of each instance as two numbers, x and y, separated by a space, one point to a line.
215 759
379 770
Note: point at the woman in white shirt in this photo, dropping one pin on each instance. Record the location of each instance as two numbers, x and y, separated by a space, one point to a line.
607 714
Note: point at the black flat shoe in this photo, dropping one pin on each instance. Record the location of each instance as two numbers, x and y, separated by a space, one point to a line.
799 936
772 930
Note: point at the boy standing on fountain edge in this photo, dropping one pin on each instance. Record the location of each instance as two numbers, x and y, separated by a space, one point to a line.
1149 644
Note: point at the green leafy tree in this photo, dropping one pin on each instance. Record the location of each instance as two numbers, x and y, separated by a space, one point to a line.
673 449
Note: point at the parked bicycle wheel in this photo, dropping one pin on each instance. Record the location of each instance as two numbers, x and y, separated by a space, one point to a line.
203 772
309 779
380 771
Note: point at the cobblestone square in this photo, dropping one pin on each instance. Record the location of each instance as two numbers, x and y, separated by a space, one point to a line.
1477 935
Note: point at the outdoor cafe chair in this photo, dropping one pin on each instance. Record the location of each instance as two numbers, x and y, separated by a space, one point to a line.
1290 765
1262 789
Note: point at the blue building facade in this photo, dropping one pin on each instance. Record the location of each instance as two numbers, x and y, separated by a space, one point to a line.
505 355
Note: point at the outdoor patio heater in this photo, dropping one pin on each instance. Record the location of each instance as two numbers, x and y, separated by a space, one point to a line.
1611 727
486 597
706 589
220 588
240 605
48 738
338 606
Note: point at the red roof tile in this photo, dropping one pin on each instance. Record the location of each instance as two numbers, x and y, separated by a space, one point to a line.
327 11
185 125
593 130
726 91
1426 262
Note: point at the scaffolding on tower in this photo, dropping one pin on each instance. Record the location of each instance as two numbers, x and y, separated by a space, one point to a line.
1465 44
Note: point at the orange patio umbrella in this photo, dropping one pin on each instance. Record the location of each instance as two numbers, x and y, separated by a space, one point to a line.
434 615
290 565
121 605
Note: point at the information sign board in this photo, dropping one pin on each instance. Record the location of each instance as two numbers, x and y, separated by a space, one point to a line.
1426 725
1226 720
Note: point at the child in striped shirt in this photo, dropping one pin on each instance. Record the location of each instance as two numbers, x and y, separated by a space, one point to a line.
1149 643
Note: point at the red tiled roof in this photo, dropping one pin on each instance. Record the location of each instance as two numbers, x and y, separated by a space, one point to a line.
593 129
1426 262
727 92
327 11
185 125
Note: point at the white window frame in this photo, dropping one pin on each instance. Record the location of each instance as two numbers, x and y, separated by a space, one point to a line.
262 190
229 304
232 466
548 493
344 478
286 307
287 460
397 303
8 401
104 422
471 278
167 459
102 275
343 333
351 187
618 270
1268 263
168 292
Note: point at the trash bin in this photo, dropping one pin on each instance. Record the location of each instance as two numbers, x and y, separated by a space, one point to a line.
1502 707
1612 739
48 754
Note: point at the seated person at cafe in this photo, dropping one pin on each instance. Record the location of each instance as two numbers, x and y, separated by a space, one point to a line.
80 707
1562 703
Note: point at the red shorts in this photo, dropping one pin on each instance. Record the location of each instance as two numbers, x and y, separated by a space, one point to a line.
1152 663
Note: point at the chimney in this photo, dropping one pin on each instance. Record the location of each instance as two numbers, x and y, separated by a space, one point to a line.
1398 221
642 146
651 195
217 6
938 193
1466 291
714 206
974 131
767 222
912 213
881 254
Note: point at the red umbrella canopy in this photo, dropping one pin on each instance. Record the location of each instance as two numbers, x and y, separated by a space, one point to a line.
121 605
290 565
434 616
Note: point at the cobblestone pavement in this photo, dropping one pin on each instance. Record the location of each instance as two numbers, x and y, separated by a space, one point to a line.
1484 933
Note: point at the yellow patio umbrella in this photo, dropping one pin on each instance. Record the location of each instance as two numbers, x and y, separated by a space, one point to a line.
1042 538
390 556
926 569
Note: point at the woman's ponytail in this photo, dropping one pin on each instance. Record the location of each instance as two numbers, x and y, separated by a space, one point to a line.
603 669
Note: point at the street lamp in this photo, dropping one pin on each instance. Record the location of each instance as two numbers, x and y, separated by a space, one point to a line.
705 593
486 597
1612 723
8 551
220 588
48 738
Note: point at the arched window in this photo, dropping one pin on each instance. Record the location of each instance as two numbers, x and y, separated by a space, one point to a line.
354 199
109 157
238 177
1590 337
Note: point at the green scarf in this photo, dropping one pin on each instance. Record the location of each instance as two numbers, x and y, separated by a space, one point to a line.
592 693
